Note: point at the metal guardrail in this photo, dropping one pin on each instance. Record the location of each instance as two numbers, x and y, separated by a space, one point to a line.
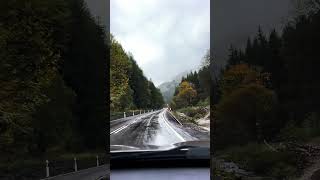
119 115
49 168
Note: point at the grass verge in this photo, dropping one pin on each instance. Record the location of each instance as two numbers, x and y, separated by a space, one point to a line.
261 160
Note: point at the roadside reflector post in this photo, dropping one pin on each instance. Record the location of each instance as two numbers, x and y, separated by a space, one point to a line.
75 164
140 111
144 111
47 168
133 113
97 161
124 114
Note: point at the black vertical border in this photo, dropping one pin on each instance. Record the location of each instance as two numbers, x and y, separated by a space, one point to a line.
107 80
212 88
107 30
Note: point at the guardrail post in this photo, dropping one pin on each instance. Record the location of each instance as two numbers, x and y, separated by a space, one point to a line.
75 164
47 168
124 114
97 161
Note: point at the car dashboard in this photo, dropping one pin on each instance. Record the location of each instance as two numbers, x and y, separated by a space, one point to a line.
186 173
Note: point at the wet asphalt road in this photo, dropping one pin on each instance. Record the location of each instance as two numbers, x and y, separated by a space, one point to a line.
155 128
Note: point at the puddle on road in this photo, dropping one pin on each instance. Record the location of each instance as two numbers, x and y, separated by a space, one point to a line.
147 132
159 134
151 129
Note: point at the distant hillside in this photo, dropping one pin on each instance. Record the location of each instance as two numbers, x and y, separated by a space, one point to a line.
129 88
167 88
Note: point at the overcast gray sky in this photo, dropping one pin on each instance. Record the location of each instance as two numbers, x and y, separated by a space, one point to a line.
166 37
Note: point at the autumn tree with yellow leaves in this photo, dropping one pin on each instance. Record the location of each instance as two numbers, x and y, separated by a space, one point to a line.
186 95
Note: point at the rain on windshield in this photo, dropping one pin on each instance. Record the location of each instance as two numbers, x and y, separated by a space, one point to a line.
160 94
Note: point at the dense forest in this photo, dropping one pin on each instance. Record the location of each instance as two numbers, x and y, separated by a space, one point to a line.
269 93
129 88
194 88
53 76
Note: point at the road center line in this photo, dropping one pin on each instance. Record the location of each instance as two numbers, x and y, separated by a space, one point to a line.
125 126
147 128
150 121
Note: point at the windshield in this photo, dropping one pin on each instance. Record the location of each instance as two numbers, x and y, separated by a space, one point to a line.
155 103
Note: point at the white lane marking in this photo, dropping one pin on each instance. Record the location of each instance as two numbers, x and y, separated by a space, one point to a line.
145 135
175 132
122 128
127 125
149 121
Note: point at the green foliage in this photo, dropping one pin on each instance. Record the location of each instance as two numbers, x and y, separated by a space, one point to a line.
204 103
301 54
28 64
250 112
129 88
57 112
204 83
53 86
199 82
286 66
84 70
235 56
290 61
120 92
308 129
263 161
185 97
193 112
145 94
246 106
156 96
281 58
238 76
220 174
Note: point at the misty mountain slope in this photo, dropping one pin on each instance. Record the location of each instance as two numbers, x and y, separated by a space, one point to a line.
167 88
